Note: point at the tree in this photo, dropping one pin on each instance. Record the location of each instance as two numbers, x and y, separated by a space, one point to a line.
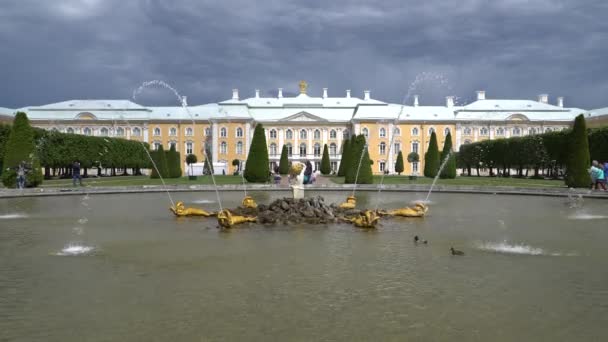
160 160
344 158
5 131
399 164
174 163
257 170
20 146
449 170
208 166
360 163
412 157
284 163
325 164
237 164
191 159
431 158
578 160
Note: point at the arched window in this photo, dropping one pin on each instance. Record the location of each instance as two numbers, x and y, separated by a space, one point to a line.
239 132
223 147
157 132
239 147
332 149
467 141
289 150
500 131
431 130
415 147
136 132
156 145
120 131
397 131
273 149
173 144
415 131
382 132
87 131
70 130
345 134
189 131
397 148
516 131
317 134
207 131
288 134
302 150
223 132
189 147
547 130
365 132
332 134
273 134
467 131
303 134
104 132
531 131
483 131
446 131
317 150
173 131
382 148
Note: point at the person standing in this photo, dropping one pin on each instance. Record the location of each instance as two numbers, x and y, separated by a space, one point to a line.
76 173
21 175
597 176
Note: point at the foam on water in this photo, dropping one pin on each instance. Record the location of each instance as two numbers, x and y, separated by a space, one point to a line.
12 216
583 216
504 247
75 249
203 201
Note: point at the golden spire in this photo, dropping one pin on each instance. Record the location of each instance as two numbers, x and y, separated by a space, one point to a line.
303 86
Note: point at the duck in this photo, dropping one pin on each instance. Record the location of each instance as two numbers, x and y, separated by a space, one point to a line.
456 252
416 239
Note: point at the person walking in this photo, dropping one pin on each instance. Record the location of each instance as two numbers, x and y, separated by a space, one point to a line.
76 173
597 176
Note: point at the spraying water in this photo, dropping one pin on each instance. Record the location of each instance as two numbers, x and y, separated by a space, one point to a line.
443 164
359 168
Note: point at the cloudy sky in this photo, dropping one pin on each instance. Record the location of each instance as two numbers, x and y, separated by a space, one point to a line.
103 49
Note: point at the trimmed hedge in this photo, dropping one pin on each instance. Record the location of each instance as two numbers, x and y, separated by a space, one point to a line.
21 146
344 158
160 160
174 163
577 158
431 158
284 163
449 170
399 167
257 169
325 164
359 162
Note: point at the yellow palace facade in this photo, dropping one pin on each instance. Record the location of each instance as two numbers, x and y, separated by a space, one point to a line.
304 124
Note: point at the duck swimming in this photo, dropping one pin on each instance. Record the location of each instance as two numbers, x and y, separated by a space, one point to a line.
456 252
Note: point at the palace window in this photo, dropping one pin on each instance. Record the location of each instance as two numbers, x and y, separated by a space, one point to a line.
189 131
446 131
207 131
467 141
273 134
334 166
467 131
431 130
415 131
500 131
397 131
289 150
239 132
317 150
531 131
415 147
302 150
382 148
288 134
345 134
223 132
223 147
415 167
189 147
87 131
70 130
397 148
239 147
365 132
332 134
173 144
136 132
156 145
382 133
317 166
273 149
173 131
516 131
317 134
547 130
382 166
157 132
104 132
120 131
332 149
483 131
303 134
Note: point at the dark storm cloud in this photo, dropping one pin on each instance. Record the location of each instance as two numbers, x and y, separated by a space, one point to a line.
64 49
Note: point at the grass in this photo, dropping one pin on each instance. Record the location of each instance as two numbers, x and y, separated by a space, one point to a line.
142 180
464 180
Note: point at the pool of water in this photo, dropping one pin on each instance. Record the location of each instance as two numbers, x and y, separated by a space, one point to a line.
120 267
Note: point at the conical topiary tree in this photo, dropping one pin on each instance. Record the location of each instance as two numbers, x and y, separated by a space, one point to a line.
21 147
284 163
208 166
577 158
257 169
325 165
359 163
413 157
173 163
399 167
431 158
160 159
344 158
449 170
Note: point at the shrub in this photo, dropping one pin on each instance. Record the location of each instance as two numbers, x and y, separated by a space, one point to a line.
449 170
325 164
174 163
431 158
160 160
577 161
344 158
284 163
191 159
257 169
20 146
399 167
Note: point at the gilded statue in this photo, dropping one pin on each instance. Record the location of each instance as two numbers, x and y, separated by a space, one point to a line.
303 87
350 203
249 202
181 210
419 210
366 220
227 220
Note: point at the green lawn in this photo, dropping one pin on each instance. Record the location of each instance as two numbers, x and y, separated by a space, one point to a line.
142 180
475 181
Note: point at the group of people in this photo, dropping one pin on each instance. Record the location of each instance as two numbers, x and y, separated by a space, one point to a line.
309 176
598 172
23 169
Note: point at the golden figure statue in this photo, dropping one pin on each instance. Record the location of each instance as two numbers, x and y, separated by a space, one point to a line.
350 203
366 220
181 210
419 210
303 86
227 220
249 202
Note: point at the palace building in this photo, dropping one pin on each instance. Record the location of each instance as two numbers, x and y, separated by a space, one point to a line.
304 123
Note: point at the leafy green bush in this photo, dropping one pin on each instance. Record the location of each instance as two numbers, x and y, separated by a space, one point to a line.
257 169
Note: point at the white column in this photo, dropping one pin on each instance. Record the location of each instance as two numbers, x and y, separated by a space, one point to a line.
281 135
296 145
390 149
357 129
215 141
145 133
458 136
248 138
491 132
507 131
475 133
309 150
324 137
